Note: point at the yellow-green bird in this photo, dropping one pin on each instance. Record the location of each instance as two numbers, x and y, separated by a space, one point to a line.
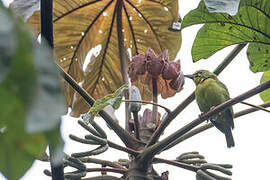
210 92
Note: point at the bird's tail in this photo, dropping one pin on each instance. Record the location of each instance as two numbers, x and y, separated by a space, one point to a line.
229 137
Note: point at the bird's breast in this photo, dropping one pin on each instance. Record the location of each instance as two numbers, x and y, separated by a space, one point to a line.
209 94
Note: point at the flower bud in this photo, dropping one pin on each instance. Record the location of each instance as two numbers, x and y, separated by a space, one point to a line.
178 82
137 67
171 70
155 64
134 95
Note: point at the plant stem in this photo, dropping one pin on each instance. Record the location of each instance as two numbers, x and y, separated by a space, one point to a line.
115 170
255 106
102 162
46 18
136 125
150 152
126 138
251 110
191 97
210 125
176 163
56 169
121 148
148 102
122 57
155 100
103 178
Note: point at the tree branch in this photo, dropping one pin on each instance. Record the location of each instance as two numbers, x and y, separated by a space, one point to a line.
115 170
126 138
102 162
255 106
191 97
46 19
150 152
103 178
148 102
122 57
177 164
155 100
121 148
136 125
210 125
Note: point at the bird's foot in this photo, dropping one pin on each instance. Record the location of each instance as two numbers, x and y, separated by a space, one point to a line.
213 107
200 117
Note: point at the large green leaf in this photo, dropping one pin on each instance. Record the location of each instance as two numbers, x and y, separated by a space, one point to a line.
31 100
86 39
265 95
250 25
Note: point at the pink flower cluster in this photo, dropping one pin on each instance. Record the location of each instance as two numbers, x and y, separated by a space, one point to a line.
145 68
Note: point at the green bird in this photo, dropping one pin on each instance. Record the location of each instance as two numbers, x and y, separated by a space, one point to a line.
210 92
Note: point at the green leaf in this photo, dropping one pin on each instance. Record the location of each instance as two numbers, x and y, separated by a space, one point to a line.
114 100
265 95
31 99
259 57
251 24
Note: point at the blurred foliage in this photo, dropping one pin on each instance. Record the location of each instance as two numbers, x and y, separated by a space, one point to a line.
29 90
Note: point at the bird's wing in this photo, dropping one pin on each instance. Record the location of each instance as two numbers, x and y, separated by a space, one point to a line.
228 113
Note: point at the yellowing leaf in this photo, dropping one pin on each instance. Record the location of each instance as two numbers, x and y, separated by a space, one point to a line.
113 99
86 40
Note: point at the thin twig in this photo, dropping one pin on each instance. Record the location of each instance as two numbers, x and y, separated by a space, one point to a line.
148 102
150 152
88 128
210 125
103 162
121 148
123 58
177 164
115 170
99 150
155 100
99 129
255 106
103 178
86 141
136 125
191 97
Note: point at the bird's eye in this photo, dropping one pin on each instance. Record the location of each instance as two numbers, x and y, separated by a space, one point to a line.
198 74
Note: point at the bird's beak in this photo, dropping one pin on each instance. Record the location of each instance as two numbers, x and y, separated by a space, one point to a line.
191 76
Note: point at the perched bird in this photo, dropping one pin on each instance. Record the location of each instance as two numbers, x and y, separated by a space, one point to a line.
210 92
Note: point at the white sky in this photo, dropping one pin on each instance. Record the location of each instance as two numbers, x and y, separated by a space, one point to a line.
249 157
